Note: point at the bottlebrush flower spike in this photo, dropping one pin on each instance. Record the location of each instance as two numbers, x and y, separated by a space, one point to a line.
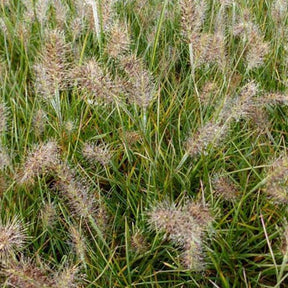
79 199
276 185
184 226
95 83
139 83
41 159
51 73
12 237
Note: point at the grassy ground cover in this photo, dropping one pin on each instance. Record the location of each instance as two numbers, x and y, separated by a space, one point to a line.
143 143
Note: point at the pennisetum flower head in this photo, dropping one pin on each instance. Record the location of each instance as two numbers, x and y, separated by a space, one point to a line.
276 185
12 237
26 274
97 153
41 159
185 226
51 71
95 83
193 15
224 187
139 82
80 201
207 137
119 40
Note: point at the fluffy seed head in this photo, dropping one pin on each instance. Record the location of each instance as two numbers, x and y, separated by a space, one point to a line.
209 136
241 105
5 160
67 277
48 215
184 226
97 153
81 203
119 40
25 274
43 158
193 15
94 81
78 243
51 72
257 50
3 118
39 122
192 256
140 84
276 185
209 49
224 187
138 242
12 237
279 11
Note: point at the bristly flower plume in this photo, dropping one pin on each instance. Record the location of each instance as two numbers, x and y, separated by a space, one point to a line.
207 137
67 277
43 158
12 237
184 226
80 201
140 83
95 83
51 72
224 187
119 40
26 274
193 15
276 185
3 118
97 153
241 105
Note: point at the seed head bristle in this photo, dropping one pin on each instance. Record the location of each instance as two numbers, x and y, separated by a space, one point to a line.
25 274
43 158
12 237
279 12
78 243
209 136
241 105
193 15
276 185
119 40
97 153
184 226
138 242
140 84
3 118
224 187
61 11
52 70
67 277
39 122
5 159
48 215
94 81
39 11
81 203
